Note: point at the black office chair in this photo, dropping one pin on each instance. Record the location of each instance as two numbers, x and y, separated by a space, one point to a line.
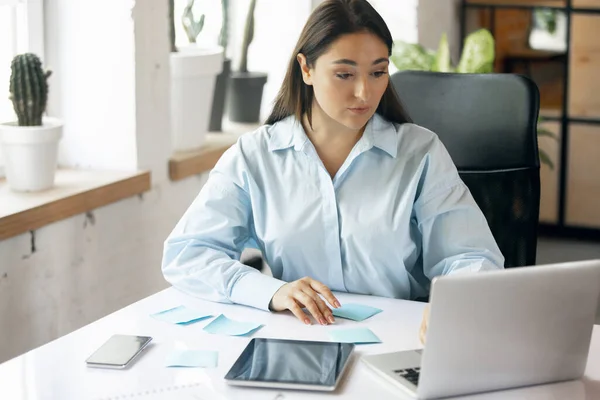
488 124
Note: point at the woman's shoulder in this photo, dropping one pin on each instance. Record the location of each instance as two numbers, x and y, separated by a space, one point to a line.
417 147
254 145
263 137
416 135
411 138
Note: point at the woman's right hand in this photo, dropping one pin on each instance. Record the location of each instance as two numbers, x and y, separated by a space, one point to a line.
304 293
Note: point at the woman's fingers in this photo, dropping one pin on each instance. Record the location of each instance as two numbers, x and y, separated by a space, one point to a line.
325 292
325 311
298 312
305 293
311 305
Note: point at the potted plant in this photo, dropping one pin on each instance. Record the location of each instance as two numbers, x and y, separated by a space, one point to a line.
30 144
222 82
193 73
246 90
477 57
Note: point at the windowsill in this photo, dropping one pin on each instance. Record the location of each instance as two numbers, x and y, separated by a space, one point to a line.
189 163
75 192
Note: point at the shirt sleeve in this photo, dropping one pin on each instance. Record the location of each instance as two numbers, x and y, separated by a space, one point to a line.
201 255
455 234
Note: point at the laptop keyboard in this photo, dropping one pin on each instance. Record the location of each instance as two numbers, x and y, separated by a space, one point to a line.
410 374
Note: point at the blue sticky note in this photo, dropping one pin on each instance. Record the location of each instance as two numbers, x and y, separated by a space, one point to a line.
193 358
225 326
180 315
356 312
355 335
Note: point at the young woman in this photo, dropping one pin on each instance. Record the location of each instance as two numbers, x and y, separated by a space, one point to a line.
339 190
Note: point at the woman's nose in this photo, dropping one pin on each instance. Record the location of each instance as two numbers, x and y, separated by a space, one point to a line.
361 90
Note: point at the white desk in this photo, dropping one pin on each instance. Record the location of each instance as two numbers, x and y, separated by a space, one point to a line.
57 370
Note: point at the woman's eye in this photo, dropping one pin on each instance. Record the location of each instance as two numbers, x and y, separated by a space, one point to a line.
379 74
343 76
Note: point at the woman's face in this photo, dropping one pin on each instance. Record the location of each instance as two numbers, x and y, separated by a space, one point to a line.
350 78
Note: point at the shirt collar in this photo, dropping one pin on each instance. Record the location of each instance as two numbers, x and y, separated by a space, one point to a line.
287 133
378 133
382 134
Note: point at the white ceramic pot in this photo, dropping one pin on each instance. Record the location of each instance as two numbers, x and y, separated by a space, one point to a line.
193 74
30 154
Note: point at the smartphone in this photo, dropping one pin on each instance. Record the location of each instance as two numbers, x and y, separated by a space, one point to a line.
118 352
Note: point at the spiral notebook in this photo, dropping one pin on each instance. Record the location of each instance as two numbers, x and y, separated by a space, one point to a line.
191 391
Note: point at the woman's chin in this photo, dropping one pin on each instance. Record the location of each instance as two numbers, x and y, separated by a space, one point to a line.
356 122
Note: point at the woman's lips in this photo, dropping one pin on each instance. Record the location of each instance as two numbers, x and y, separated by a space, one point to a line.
359 110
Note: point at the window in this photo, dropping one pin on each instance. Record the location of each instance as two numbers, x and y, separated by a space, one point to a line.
21 30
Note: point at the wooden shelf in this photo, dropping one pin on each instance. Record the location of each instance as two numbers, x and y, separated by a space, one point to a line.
185 164
189 163
583 185
75 192
584 87
586 4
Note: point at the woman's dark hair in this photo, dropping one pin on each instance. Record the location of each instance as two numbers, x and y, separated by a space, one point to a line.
330 20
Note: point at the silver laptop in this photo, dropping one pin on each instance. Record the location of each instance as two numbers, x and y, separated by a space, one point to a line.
500 329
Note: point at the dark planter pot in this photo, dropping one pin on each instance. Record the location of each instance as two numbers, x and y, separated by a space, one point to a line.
245 96
219 96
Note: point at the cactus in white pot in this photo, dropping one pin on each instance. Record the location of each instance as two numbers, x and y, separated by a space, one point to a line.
30 144
29 89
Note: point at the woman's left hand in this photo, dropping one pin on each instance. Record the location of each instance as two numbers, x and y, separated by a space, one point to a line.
424 322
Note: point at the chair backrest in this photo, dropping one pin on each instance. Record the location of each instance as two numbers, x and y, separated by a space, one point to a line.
488 123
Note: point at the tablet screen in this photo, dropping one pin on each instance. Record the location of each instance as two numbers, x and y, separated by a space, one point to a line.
291 361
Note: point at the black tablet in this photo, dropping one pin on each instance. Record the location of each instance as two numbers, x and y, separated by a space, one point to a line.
291 364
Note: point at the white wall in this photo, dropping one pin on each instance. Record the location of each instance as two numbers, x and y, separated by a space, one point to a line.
434 17
152 89
85 267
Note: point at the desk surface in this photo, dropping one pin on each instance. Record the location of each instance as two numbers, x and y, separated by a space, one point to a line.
57 370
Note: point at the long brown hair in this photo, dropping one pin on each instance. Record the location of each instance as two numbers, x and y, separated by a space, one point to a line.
330 20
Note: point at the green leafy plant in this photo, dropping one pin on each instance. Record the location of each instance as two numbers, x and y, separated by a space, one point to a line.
248 37
28 89
477 57
546 18
541 131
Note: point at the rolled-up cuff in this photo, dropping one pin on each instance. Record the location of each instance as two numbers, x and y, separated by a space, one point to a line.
255 290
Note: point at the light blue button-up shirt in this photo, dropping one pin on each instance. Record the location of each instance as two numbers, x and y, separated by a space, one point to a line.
395 215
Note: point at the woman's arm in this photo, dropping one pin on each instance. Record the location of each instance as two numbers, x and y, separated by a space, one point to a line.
455 234
201 255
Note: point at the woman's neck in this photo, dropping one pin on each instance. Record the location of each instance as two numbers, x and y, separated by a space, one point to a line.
324 132
332 140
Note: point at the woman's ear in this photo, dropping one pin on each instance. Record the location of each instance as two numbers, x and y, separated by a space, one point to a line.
306 72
